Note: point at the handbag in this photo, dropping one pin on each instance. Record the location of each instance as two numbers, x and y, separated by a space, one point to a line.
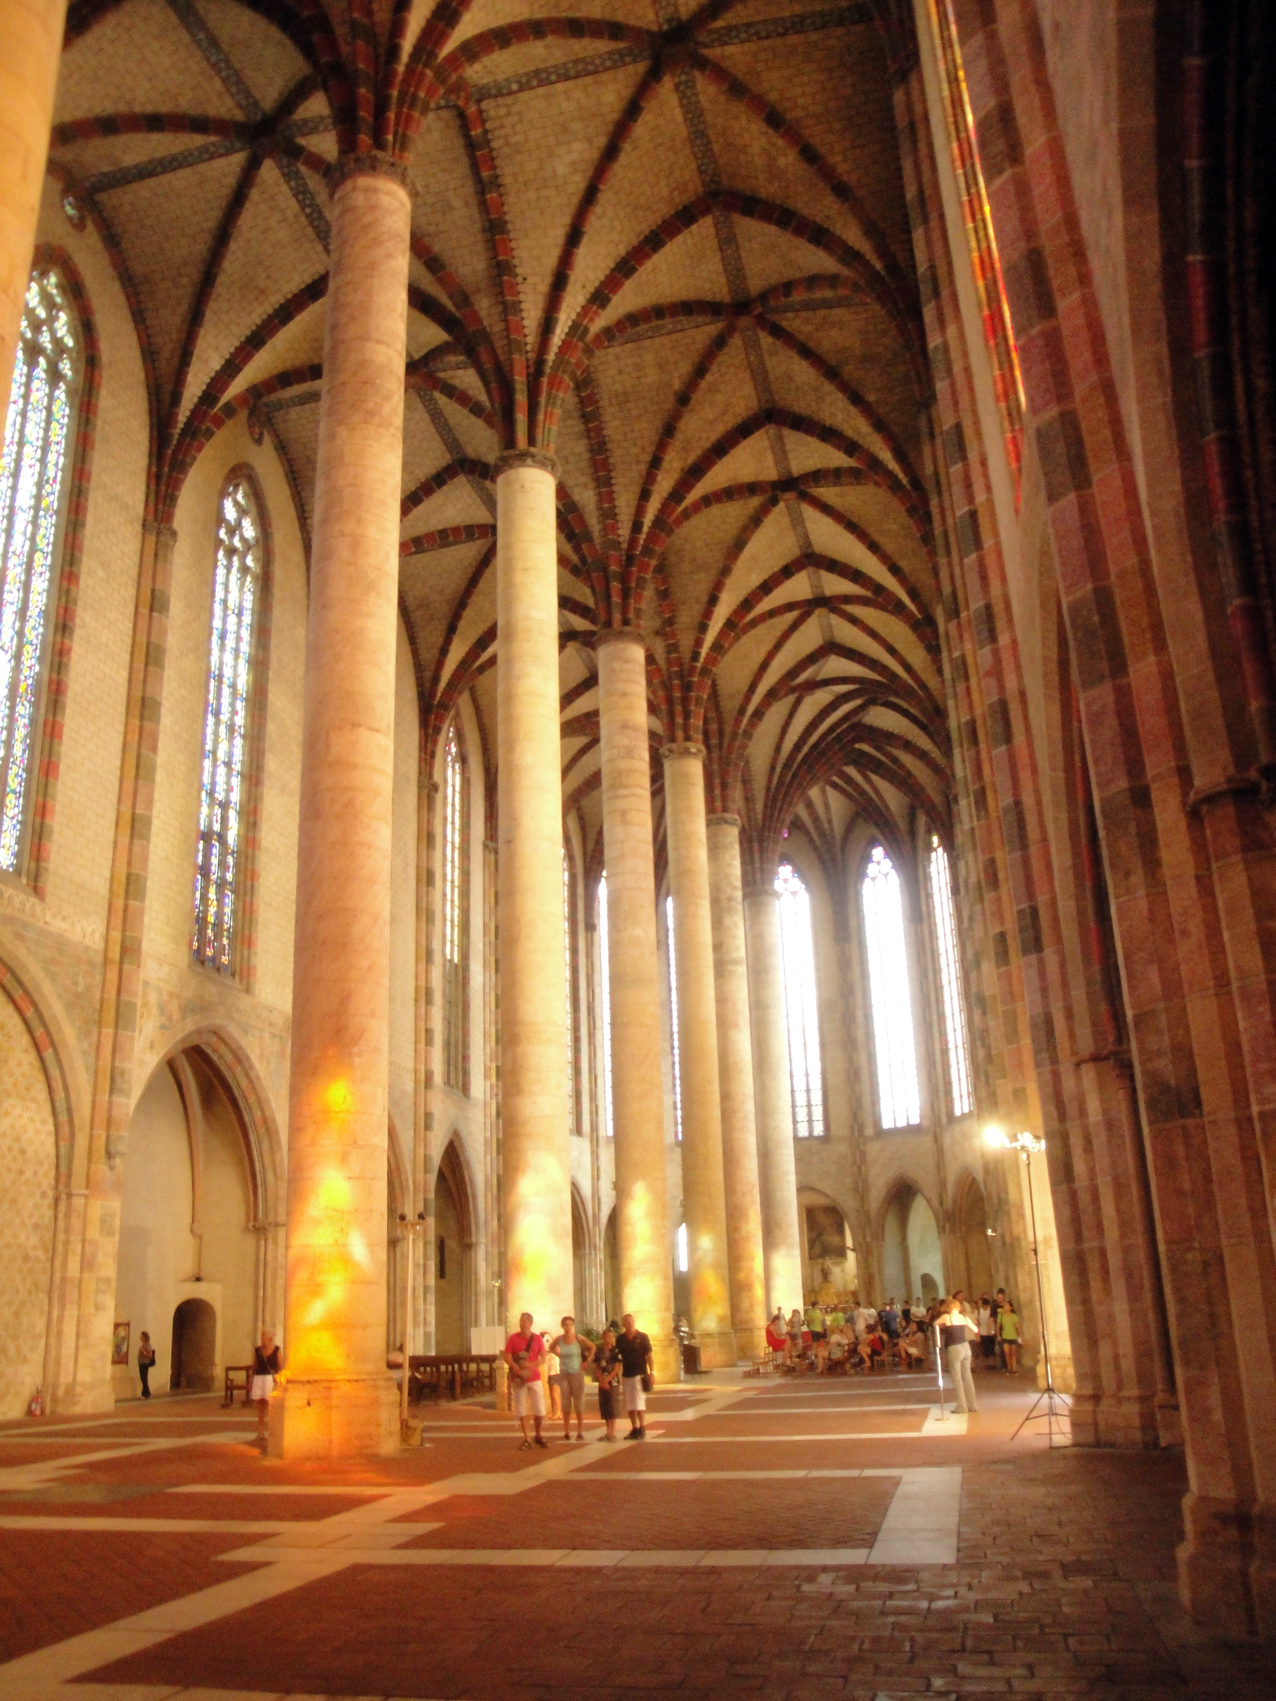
648 1383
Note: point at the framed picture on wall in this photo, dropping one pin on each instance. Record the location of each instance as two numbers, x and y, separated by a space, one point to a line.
119 1344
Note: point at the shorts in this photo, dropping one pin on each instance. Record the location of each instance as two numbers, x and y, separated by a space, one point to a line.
262 1387
572 1385
635 1397
528 1399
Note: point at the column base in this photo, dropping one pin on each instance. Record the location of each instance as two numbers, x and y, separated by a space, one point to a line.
750 1344
80 1399
334 1419
1128 1421
1214 1565
666 1359
717 1352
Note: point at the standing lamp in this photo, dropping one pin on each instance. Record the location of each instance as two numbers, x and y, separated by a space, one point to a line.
1057 1409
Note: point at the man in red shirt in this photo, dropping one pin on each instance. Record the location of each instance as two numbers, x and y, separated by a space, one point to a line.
524 1357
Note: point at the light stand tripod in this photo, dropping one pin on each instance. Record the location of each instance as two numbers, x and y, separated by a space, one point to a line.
1057 1408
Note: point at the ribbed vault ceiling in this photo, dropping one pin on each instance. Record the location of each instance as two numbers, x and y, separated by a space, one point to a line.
671 250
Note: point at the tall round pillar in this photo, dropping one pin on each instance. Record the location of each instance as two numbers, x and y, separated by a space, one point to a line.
735 1078
703 1188
339 1398
30 48
535 1131
782 1247
633 983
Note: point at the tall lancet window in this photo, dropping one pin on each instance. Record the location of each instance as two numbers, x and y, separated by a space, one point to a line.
567 969
604 960
674 1053
37 451
941 894
898 1095
454 836
801 1016
236 595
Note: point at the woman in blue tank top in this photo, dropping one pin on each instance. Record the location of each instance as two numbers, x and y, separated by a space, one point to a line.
574 1353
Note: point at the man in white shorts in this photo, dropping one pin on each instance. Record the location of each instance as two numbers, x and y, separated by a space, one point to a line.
635 1362
524 1357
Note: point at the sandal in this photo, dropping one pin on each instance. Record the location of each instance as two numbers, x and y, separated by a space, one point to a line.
525 1447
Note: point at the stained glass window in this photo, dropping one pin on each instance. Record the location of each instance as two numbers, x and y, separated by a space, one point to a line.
37 449
899 1098
236 593
801 1016
673 1019
453 911
567 968
941 893
605 1002
684 1250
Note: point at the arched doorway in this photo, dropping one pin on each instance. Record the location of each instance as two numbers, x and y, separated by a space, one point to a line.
580 1263
28 1154
972 1226
194 1346
611 1268
453 1254
187 1208
912 1260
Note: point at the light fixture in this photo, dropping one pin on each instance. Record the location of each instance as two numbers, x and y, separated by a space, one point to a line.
1028 1146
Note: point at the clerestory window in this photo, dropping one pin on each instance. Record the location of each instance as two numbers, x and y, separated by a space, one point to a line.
955 1032
454 837
675 1052
236 600
38 444
895 1046
801 1013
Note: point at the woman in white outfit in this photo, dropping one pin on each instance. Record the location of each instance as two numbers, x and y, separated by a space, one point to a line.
956 1331
265 1370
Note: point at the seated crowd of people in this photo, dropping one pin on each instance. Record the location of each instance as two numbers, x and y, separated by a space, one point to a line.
841 1338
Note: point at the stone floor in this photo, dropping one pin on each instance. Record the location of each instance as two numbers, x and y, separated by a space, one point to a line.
797 1540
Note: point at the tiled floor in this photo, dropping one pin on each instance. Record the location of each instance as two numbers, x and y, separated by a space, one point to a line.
791 1540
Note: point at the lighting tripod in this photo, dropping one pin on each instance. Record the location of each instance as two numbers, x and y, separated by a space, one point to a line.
1057 1408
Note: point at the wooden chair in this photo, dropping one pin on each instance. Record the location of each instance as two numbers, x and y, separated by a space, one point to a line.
238 1376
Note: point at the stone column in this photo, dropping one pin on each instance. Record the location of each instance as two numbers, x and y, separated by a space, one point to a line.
339 1398
536 1158
638 1122
735 1077
703 1188
30 48
781 1240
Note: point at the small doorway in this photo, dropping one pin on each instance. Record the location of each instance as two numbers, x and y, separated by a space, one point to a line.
194 1346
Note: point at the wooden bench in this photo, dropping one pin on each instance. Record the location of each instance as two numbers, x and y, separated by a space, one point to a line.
458 1373
237 1376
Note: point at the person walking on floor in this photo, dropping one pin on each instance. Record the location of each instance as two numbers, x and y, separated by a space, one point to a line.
262 1386
955 1333
145 1359
635 1359
573 1355
606 1368
524 1355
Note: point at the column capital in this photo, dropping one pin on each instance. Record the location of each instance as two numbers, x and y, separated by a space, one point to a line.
760 889
512 458
159 531
619 634
670 751
369 163
723 820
